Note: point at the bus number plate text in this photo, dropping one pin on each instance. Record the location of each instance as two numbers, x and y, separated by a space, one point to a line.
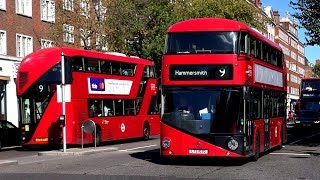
198 151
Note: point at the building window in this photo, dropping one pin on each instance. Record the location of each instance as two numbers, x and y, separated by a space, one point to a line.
68 33
68 5
283 36
85 8
24 7
85 39
3 4
3 43
46 43
24 45
47 10
101 42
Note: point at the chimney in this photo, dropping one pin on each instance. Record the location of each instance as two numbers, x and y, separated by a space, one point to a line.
258 3
276 16
317 61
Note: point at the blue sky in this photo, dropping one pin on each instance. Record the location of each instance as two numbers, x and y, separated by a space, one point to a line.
311 52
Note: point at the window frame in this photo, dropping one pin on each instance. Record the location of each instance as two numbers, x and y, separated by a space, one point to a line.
3 42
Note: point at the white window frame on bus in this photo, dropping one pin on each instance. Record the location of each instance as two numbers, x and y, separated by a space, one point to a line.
3 42
46 43
68 33
24 7
3 5
47 9
68 5
24 45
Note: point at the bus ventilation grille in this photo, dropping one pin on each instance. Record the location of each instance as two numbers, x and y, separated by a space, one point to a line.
23 79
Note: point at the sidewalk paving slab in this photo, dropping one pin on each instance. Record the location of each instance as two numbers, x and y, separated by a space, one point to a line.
77 151
8 162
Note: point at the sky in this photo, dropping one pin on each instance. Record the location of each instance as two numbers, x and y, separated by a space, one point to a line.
311 52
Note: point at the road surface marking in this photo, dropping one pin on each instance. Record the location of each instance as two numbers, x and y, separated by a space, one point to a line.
303 138
10 147
142 147
292 154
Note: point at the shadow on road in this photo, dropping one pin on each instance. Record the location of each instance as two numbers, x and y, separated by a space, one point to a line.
154 157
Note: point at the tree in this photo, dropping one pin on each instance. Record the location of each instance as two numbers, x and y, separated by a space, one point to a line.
308 15
138 27
79 24
316 71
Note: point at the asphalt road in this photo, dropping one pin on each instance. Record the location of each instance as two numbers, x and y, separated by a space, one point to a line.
299 159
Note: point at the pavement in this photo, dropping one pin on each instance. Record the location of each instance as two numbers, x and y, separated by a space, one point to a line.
77 151
8 162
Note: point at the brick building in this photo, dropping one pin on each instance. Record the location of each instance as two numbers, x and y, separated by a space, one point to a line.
22 31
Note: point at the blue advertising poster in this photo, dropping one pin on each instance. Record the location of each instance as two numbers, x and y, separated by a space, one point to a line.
97 84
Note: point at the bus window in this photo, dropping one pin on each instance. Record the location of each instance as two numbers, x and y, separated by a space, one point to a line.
252 46
119 110
116 68
127 69
154 107
77 64
107 107
243 43
92 65
105 67
129 108
258 50
94 108
146 72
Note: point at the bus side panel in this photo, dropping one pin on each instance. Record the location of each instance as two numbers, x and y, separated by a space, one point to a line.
48 130
182 144
275 131
259 130
154 121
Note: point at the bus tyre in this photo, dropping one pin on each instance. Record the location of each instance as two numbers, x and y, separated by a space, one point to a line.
146 131
257 149
98 138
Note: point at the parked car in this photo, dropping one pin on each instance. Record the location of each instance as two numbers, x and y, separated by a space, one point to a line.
9 134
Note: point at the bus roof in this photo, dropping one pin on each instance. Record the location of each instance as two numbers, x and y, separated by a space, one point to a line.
217 24
55 52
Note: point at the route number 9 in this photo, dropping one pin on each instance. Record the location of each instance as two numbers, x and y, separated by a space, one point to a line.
222 72
41 88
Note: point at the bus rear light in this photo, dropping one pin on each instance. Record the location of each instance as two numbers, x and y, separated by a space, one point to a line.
166 143
23 133
23 138
233 144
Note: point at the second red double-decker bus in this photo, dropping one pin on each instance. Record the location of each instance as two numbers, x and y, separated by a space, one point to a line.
223 91
118 93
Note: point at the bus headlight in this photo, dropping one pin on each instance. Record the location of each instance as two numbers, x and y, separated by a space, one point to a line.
233 144
166 143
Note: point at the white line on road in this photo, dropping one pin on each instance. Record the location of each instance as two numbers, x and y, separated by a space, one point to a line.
304 138
142 147
292 154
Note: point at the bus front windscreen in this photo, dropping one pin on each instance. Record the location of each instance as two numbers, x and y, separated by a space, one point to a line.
202 42
203 110
36 99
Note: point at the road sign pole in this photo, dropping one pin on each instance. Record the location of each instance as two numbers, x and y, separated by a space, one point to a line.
63 79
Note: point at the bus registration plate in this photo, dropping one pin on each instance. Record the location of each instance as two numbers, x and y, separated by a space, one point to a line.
198 151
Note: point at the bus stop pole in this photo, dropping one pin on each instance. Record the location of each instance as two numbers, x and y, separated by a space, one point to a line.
63 78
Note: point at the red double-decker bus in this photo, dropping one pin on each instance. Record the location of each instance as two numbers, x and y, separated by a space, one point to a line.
118 93
223 91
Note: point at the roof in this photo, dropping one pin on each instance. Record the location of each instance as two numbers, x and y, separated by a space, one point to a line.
217 24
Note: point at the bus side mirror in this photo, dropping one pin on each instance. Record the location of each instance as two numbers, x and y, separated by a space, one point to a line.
62 120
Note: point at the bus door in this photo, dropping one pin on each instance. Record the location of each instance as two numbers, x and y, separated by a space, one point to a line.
267 105
248 108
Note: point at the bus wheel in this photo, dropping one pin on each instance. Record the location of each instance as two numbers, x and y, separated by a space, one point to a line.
257 149
98 138
146 131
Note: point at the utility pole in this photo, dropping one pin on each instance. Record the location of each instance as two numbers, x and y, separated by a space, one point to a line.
63 116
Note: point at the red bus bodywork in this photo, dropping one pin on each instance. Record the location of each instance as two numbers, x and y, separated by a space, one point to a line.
177 141
48 130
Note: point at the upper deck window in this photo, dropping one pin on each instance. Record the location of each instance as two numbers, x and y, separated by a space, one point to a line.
202 42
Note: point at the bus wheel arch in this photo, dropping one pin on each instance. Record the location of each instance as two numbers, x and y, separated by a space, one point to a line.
146 130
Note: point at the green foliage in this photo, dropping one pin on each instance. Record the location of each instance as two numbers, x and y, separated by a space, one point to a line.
316 70
308 15
138 27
